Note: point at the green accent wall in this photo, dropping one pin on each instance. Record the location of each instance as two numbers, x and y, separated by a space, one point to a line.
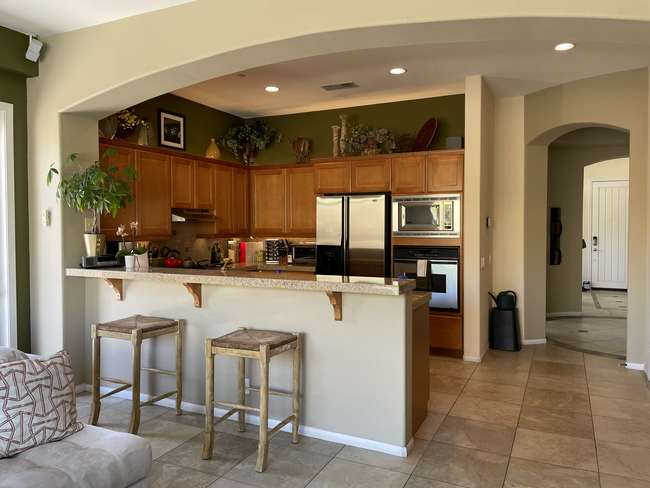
13 89
402 117
201 123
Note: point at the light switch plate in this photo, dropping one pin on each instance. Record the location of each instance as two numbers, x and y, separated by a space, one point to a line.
482 262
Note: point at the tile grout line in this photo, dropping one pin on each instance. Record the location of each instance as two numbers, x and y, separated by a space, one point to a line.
592 423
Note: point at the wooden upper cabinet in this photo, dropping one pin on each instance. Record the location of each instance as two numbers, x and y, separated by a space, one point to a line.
204 184
301 201
268 201
241 201
224 199
370 175
183 183
408 175
108 223
332 177
445 173
153 192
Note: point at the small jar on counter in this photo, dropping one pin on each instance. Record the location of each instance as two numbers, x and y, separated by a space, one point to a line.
259 256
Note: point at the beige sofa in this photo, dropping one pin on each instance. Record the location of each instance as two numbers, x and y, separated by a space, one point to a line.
91 458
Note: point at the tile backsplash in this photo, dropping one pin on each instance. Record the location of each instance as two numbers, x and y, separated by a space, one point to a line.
184 241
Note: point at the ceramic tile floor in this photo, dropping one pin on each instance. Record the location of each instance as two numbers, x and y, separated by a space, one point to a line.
602 328
544 417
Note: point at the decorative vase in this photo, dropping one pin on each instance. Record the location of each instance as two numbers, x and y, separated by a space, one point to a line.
95 244
344 134
129 261
301 149
141 262
143 135
248 153
335 135
124 134
213 151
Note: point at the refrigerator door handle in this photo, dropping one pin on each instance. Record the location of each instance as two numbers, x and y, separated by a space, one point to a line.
346 236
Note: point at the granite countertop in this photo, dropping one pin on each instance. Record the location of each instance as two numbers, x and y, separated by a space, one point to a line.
420 298
299 280
300 268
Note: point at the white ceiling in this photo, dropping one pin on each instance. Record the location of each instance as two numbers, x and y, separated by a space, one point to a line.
49 17
510 68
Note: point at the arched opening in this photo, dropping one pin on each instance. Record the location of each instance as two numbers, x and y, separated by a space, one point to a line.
576 319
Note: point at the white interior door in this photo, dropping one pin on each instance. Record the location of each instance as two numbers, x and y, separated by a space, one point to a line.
609 231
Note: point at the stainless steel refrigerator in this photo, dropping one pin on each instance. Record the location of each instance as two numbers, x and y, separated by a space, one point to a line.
353 235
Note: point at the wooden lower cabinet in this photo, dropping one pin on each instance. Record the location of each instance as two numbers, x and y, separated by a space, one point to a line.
108 223
153 196
301 202
446 332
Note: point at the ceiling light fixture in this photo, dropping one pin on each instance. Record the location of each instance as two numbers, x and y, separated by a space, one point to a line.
272 89
397 71
565 46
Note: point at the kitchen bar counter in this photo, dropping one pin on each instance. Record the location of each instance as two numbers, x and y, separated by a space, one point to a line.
255 279
299 268
420 298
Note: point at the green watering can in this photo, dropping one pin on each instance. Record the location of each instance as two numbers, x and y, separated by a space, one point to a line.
504 300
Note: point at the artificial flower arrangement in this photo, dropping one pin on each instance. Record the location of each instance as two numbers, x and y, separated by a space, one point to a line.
126 119
362 140
247 139
134 250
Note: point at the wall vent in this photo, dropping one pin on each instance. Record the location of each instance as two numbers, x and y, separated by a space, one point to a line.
340 86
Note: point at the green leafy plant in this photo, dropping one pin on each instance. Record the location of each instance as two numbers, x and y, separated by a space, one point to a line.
258 134
98 188
362 140
134 250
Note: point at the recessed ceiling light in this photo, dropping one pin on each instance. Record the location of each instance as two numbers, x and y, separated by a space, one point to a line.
272 88
397 71
565 46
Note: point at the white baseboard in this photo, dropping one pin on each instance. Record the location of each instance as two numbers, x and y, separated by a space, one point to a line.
635 366
529 342
410 446
305 430
564 314
80 388
477 359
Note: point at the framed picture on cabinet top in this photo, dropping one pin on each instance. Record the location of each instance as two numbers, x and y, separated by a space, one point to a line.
171 130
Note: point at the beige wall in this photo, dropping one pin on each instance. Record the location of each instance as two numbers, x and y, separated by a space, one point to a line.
478 205
618 100
508 218
566 167
617 169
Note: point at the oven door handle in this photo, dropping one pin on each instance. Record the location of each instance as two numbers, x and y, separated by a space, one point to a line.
452 262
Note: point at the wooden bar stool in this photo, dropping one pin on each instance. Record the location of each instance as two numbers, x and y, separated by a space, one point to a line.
136 329
261 345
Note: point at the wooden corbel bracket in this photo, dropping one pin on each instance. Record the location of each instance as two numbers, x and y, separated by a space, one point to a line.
194 289
116 285
336 299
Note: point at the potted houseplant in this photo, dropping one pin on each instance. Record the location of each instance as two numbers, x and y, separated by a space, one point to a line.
247 139
97 188
134 254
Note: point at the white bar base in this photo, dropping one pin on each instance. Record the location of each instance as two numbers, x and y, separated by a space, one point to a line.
530 342
635 366
325 435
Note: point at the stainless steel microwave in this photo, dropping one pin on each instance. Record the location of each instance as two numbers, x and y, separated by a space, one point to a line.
303 253
427 216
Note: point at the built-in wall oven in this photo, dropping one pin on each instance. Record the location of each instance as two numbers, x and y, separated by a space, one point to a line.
427 216
443 264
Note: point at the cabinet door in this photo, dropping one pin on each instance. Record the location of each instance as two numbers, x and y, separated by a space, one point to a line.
445 173
371 175
268 202
240 201
182 183
153 193
409 176
332 177
301 202
107 223
224 199
446 332
204 181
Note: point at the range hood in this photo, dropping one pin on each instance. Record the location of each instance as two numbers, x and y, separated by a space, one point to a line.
190 215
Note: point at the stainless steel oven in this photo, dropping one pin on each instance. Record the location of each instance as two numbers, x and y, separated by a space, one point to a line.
444 265
427 216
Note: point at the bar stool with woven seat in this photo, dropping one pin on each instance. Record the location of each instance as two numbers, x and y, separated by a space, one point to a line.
135 329
261 345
